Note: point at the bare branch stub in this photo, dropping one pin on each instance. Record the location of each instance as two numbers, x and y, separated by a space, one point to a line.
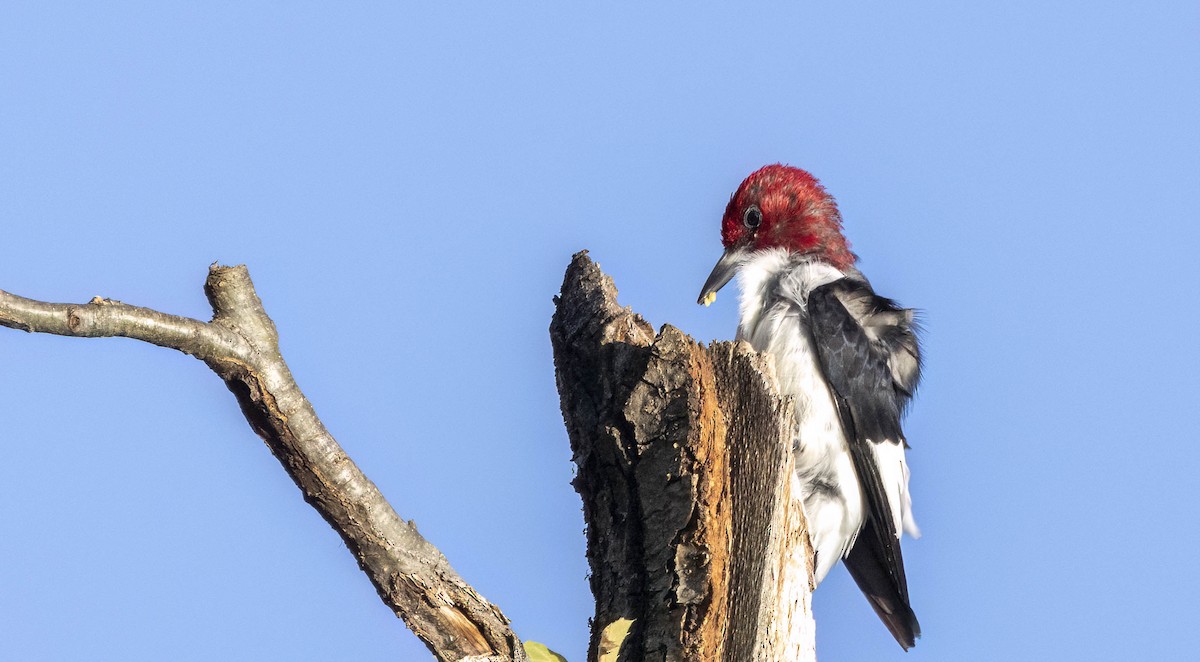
684 458
241 345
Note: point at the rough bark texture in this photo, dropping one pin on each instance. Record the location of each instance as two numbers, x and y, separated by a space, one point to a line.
242 346
685 470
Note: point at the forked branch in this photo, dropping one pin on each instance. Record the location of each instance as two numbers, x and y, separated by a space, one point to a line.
241 345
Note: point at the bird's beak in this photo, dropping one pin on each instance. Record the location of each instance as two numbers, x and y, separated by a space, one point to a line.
724 272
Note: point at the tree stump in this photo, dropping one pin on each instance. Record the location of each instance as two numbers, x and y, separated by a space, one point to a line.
697 549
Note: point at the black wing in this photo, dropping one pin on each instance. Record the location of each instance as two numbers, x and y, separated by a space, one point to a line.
868 352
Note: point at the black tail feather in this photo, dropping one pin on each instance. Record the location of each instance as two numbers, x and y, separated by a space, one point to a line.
885 591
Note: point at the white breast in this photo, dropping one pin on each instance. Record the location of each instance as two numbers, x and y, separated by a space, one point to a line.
775 290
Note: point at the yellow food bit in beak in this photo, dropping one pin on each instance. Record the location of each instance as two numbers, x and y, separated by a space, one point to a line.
709 298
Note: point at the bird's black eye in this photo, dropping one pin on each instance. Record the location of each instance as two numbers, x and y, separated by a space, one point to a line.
753 217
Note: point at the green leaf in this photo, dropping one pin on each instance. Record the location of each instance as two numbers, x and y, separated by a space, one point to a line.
539 653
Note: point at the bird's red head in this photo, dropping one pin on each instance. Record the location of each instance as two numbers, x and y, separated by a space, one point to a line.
780 206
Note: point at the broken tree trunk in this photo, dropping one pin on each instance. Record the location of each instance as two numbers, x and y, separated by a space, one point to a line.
697 549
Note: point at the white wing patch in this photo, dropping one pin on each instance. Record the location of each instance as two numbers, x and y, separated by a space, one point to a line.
893 473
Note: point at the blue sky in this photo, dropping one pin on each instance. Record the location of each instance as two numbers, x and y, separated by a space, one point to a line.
407 185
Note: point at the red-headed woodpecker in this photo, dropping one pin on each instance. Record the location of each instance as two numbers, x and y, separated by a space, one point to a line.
850 361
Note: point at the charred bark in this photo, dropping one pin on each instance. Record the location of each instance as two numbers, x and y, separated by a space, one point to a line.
697 549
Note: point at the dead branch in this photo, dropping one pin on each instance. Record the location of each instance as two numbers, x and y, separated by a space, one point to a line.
241 345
